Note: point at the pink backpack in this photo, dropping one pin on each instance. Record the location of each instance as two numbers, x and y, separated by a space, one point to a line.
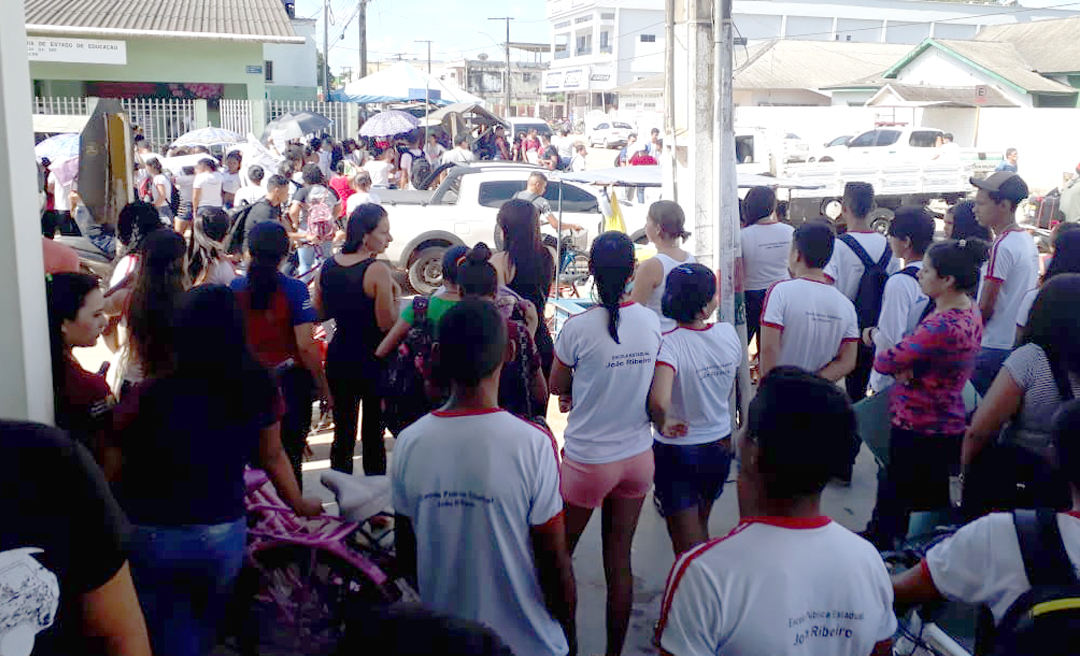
320 220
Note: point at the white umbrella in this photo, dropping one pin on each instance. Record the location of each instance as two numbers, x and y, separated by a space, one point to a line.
389 123
208 137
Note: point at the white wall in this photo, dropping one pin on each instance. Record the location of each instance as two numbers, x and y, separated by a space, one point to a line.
780 97
934 68
294 65
637 58
26 384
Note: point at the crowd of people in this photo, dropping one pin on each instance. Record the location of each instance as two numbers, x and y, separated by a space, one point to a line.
223 358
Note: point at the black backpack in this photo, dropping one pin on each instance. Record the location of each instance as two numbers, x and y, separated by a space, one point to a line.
1043 620
409 390
420 171
871 284
234 240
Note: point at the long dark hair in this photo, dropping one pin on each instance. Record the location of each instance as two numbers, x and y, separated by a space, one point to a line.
209 229
959 259
364 220
611 261
1066 251
211 315
159 282
66 294
965 225
1054 324
268 243
532 261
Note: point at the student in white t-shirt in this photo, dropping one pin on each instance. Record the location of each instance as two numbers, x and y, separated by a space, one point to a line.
981 563
805 321
361 183
910 233
1065 258
665 226
604 358
483 536
846 270
230 178
381 169
787 580
688 403
1012 271
254 191
161 190
206 190
766 243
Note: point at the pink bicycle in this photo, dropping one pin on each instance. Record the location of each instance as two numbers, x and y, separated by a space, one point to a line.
304 577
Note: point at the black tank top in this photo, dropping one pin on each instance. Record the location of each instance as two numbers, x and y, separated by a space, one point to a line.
357 334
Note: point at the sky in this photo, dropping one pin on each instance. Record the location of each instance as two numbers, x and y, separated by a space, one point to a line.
457 28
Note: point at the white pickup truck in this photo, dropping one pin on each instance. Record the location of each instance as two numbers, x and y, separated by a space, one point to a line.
462 210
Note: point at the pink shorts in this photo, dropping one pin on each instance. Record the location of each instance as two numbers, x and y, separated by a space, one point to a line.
586 486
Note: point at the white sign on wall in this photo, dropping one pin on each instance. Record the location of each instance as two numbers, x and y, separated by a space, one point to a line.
76 51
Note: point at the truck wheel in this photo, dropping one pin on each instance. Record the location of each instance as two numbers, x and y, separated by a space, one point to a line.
425 272
880 218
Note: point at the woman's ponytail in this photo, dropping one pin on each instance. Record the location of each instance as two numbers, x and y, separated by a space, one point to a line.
611 261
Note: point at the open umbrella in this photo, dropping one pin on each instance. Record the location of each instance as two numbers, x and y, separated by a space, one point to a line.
296 125
208 137
58 148
389 123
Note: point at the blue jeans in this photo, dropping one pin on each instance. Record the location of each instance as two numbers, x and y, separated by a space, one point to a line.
308 255
184 576
987 365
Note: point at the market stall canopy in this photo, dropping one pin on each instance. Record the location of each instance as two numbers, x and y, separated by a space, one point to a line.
399 83
464 109
649 176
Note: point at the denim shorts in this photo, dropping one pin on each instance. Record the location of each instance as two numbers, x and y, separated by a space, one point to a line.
689 476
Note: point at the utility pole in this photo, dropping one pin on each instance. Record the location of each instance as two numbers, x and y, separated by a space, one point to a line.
507 19
363 38
326 49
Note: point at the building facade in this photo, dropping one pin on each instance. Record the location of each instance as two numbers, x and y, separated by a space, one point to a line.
598 45
290 69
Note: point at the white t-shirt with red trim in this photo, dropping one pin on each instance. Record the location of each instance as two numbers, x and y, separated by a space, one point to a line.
1014 262
815 319
982 564
777 586
705 363
473 485
608 421
1023 311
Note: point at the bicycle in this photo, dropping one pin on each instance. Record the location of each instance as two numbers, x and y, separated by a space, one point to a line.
918 631
304 577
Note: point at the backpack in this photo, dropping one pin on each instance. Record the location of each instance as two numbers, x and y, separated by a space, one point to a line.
1043 620
420 171
408 388
515 383
871 284
145 194
913 271
234 240
174 197
320 220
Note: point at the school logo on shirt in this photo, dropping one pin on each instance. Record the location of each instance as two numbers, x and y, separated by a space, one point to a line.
29 597
630 359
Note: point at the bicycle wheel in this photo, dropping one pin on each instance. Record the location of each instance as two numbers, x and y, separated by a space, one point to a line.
576 271
301 599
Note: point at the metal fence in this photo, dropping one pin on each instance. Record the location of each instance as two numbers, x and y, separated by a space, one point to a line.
335 111
236 116
162 120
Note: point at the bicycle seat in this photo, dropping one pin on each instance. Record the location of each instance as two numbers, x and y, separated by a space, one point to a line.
358 497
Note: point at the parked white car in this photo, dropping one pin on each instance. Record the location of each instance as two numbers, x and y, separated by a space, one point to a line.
903 143
832 150
609 134
462 210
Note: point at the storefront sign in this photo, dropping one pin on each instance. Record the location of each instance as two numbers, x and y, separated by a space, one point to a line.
573 78
76 51
553 80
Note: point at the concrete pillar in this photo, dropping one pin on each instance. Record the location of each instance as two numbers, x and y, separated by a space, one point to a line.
26 383
694 96
258 113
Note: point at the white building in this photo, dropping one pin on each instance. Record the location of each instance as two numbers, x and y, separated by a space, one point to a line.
598 45
291 70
